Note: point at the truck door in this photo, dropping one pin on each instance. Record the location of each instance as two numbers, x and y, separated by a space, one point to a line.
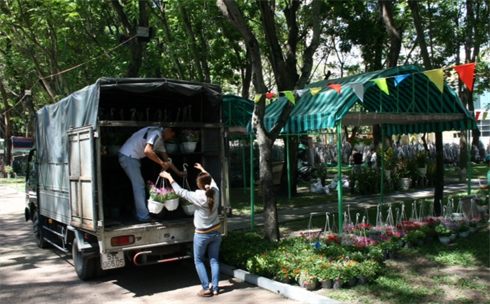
82 178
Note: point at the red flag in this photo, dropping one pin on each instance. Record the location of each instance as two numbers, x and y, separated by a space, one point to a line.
466 74
336 87
477 115
270 95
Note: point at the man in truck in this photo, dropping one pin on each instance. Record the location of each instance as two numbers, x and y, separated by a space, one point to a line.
147 142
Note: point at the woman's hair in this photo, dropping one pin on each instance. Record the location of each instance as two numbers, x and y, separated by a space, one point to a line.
205 180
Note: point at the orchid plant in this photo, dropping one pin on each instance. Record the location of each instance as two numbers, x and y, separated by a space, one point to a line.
188 135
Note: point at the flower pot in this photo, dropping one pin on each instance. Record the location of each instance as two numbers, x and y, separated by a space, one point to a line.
171 148
311 285
327 284
352 282
189 209
453 236
285 280
337 284
188 147
155 207
444 239
404 183
374 234
172 204
361 280
472 229
463 234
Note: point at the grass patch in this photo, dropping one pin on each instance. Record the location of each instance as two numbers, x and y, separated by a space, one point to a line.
14 183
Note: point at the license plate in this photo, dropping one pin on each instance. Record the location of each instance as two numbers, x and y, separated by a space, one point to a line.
112 260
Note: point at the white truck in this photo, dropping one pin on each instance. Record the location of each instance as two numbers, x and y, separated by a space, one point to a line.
79 198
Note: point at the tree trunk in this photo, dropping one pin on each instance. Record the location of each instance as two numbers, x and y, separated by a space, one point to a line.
394 32
8 127
135 46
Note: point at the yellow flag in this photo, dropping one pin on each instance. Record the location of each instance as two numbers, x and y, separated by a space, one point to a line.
436 77
257 98
381 82
290 96
315 91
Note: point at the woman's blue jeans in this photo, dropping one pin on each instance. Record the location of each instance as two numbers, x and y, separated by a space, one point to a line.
209 242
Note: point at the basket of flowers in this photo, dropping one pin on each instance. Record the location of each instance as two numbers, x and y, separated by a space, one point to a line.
161 197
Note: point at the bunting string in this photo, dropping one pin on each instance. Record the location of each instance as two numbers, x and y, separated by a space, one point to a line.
466 73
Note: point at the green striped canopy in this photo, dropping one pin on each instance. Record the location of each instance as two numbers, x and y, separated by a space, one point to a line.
237 111
415 105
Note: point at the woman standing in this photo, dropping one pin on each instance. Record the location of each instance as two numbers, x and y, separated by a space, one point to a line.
207 236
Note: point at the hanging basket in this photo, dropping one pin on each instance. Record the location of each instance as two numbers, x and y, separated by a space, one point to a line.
172 204
155 207
189 209
188 147
171 148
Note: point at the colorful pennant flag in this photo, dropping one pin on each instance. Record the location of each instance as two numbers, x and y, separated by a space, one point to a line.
290 96
467 74
301 92
477 115
257 98
270 95
336 87
400 78
358 89
436 77
485 115
315 91
381 82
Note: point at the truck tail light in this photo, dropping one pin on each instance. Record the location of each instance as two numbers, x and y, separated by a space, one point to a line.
122 240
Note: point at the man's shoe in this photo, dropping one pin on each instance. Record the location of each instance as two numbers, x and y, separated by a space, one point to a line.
148 220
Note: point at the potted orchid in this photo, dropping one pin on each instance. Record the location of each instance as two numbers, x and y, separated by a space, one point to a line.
189 135
189 139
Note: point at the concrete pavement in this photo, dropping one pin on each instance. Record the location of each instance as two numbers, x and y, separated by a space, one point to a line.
358 203
12 201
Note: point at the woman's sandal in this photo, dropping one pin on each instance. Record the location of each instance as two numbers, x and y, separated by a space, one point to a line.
215 293
204 293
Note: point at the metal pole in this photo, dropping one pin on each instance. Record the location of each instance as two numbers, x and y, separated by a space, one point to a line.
252 184
383 144
339 174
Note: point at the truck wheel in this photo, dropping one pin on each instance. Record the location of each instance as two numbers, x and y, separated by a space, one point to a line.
85 268
38 231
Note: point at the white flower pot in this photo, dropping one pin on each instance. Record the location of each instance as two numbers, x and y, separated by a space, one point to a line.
171 148
188 147
172 204
189 209
154 206
404 183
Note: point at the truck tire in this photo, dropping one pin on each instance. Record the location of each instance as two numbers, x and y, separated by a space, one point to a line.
38 231
84 267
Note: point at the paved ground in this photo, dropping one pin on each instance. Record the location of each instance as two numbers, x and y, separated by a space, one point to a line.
29 274
452 186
